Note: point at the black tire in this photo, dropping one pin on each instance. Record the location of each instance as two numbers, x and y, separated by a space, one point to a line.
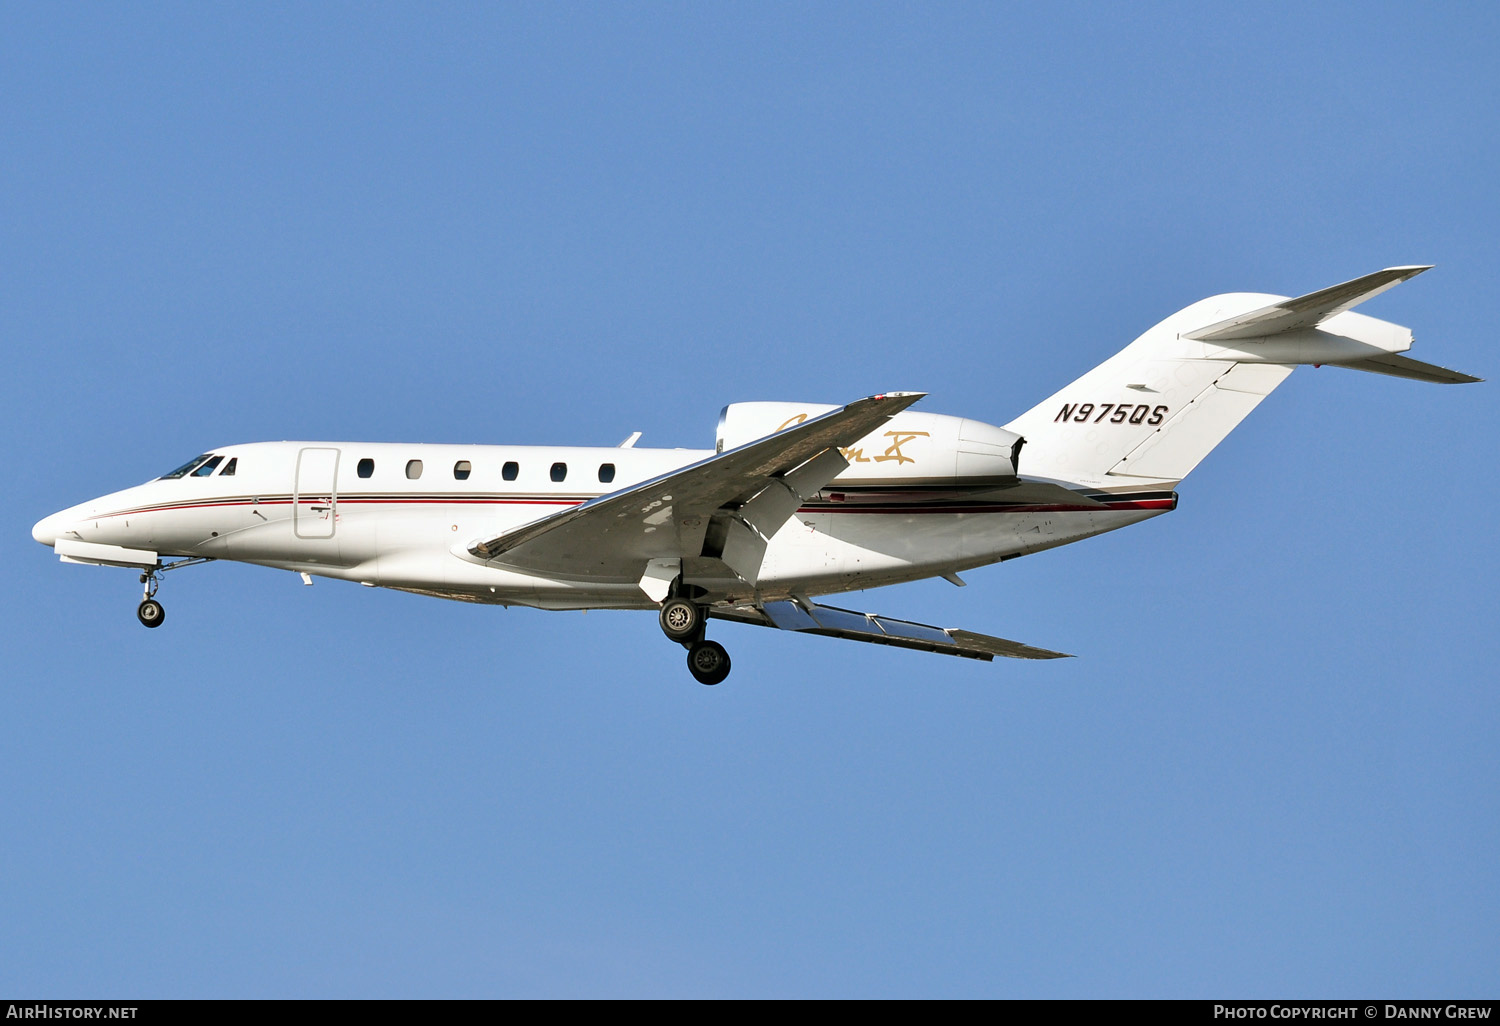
150 613
681 620
708 662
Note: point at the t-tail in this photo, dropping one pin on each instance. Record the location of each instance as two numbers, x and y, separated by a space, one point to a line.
1150 413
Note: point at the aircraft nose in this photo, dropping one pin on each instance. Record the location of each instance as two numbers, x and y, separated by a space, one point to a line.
47 529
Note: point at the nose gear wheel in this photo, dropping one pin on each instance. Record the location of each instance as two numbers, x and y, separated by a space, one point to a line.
150 613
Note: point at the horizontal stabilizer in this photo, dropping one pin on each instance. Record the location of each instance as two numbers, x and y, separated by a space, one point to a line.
1305 311
1405 367
882 630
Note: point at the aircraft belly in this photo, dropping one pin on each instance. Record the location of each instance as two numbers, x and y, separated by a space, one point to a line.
834 552
1036 532
860 550
918 544
397 546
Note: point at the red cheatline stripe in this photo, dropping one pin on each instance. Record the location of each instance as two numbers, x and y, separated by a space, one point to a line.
888 509
1147 504
308 501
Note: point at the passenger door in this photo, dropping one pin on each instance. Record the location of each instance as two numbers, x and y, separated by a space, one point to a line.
315 493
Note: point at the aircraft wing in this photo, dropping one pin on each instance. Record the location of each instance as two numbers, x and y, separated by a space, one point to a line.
880 630
746 494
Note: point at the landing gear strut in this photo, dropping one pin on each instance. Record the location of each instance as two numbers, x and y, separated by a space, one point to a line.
684 620
150 611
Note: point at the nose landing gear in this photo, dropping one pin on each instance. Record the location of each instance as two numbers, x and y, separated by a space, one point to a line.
150 611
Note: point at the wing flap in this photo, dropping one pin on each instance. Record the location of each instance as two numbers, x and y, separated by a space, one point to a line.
833 622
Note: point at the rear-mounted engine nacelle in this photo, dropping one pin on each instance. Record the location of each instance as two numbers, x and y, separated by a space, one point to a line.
910 446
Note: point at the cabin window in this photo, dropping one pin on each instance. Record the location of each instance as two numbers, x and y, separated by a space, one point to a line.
606 473
510 470
207 467
413 469
559 471
229 467
182 470
462 469
366 467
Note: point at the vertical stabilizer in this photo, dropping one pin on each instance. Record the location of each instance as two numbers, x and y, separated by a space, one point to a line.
1151 412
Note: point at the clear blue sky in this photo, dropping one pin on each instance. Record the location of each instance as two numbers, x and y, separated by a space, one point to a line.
1273 768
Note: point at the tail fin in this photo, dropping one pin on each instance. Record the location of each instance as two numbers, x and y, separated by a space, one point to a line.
1151 412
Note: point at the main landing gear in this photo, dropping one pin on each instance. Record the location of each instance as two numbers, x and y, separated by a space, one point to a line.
708 662
684 622
150 611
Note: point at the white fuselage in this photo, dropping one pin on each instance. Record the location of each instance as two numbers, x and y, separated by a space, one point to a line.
403 516
796 500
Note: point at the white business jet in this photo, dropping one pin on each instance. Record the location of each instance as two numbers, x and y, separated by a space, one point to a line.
794 501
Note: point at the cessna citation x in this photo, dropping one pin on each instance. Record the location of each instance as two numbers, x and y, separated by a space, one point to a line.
794 501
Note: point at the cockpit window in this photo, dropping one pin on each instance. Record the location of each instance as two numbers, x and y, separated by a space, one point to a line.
182 471
208 466
228 470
